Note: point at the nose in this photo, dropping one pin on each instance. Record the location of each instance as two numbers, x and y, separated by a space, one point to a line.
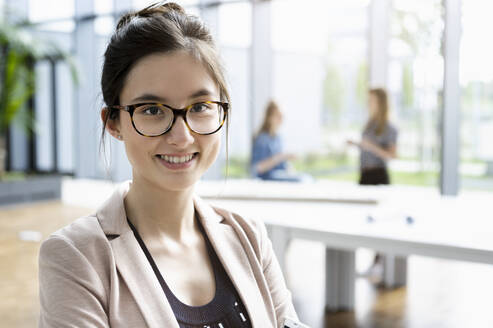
180 135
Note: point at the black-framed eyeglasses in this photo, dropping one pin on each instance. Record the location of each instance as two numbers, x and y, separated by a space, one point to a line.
154 119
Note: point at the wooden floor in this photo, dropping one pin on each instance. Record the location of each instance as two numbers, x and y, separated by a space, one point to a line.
439 293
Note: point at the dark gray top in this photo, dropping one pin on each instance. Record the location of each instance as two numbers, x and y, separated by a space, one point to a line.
388 138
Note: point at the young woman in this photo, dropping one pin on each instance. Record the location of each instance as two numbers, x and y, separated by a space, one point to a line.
379 141
378 145
269 161
155 254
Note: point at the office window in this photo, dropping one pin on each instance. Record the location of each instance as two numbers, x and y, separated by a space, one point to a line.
45 10
234 38
235 24
415 86
476 80
320 81
102 7
55 15
54 22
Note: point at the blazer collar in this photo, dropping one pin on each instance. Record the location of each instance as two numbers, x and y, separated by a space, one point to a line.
113 219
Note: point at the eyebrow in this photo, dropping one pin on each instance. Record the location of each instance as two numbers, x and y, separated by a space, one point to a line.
151 97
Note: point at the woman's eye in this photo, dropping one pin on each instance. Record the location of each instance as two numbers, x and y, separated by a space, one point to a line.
200 107
152 110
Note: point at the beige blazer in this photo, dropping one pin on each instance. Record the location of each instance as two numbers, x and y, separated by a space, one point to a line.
93 273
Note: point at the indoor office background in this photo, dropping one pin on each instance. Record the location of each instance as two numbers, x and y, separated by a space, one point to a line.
317 59
318 66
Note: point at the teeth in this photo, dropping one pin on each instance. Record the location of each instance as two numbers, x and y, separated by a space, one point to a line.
176 159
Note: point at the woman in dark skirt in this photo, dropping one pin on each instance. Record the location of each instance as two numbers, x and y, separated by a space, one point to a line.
378 145
379 141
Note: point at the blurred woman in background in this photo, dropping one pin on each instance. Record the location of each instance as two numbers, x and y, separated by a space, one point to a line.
378 145
269 161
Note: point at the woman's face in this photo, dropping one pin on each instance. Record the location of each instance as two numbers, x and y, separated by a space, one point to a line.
178 80
276 119
373 105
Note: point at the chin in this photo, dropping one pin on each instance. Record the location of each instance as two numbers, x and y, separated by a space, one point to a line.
179 183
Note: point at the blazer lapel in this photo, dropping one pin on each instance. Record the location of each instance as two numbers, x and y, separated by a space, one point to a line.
142 282
132 263
235 261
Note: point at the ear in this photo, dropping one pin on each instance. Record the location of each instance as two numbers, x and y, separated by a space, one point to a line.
112 124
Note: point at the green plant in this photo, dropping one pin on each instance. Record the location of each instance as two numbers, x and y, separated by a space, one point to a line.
19 51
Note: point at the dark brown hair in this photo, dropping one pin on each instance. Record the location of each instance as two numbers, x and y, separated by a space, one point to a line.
267 127
163 27
382 116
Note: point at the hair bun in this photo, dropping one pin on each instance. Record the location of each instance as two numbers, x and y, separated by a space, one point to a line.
157 8
124 20
173 6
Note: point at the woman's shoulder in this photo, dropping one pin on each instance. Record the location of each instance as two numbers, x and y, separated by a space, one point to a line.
82 229
74 261
83 237
265 137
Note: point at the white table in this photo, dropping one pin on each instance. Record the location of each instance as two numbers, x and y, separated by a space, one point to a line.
337 215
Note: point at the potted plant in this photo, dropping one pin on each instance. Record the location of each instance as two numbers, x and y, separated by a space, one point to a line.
19 50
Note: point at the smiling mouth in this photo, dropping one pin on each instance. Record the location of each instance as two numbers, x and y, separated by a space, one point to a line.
177 159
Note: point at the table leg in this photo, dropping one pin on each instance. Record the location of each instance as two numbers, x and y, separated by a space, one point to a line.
339 280
279 237
394 270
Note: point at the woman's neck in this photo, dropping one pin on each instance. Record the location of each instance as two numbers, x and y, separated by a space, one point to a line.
157 213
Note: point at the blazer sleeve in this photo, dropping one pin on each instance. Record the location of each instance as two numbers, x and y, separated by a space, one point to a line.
279 292
71 292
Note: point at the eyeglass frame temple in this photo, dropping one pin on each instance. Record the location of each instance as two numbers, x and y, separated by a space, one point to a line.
176 112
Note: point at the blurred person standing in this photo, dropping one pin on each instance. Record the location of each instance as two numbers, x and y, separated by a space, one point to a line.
378 145
269 161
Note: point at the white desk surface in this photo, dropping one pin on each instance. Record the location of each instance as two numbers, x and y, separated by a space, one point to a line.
450 227
336 213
